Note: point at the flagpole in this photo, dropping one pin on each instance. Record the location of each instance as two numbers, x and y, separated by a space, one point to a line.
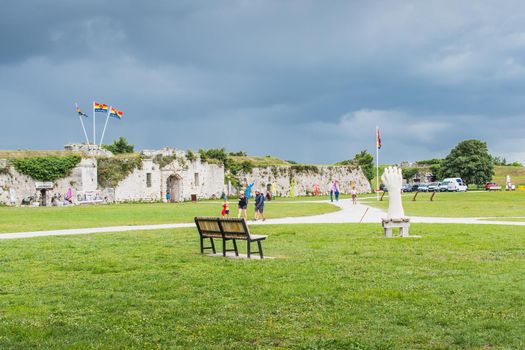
83 127
94 126
377 165
105 125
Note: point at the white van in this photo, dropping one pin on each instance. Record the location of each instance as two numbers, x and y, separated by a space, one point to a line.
454 184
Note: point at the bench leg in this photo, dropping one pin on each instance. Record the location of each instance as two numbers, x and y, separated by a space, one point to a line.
235 247
202 245
223 247
249 249
260 249
212 245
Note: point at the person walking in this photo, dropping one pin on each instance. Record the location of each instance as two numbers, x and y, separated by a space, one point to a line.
353 192
259 206
243 204
334 190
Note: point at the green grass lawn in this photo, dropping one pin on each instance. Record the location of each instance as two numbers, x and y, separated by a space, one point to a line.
330 287
470 204
54 218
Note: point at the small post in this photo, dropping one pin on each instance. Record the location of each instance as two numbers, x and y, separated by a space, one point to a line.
414 199
432 196
382 196
362 217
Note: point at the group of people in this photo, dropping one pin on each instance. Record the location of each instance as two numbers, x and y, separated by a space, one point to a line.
243 204
246 194
334 191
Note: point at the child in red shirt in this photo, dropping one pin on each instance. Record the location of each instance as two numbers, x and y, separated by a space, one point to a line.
225 209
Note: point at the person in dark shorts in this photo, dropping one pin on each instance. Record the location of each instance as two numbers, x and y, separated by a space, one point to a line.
243 204
259 206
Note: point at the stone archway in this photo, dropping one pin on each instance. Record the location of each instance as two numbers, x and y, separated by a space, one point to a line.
174 187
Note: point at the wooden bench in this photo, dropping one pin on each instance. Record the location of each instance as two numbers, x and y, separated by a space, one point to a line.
228 229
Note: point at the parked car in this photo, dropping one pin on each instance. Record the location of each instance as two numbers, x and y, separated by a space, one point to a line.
423 188
492 186
433 187
454 184
443 187
407 188
415 187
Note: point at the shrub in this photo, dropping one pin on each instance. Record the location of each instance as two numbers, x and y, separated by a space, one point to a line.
162 161
120 146
46 168
190 156
113 170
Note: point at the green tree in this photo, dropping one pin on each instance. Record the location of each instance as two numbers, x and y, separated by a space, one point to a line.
499 161
366 161
469 160
435 169
363 159
214 153
409 173
120 146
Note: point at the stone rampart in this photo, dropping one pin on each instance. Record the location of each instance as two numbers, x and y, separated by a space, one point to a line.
302 179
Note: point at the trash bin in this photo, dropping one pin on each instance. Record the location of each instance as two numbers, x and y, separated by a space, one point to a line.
193 197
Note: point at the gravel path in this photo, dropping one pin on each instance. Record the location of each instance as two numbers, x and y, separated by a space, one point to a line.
349 213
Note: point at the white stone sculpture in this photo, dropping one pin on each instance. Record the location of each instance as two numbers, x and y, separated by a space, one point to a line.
393 180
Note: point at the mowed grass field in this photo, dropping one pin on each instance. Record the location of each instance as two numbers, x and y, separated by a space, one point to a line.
55 218
329 287
469 204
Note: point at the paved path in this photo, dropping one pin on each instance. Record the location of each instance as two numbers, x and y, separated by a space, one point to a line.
349 213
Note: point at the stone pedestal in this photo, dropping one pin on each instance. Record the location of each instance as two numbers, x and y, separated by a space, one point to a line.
402 224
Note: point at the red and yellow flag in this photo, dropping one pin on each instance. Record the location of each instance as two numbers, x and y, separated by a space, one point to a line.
100 107
115 113
378 139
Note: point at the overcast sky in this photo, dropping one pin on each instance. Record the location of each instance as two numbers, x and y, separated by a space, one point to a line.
300 80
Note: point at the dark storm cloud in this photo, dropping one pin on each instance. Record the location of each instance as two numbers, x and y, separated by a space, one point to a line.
303 80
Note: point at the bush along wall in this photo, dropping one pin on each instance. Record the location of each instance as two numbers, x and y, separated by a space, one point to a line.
46 168
113 170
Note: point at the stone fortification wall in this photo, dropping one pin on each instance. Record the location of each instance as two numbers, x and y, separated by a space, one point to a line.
139 186
303 178
161 171
20 186
168 170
